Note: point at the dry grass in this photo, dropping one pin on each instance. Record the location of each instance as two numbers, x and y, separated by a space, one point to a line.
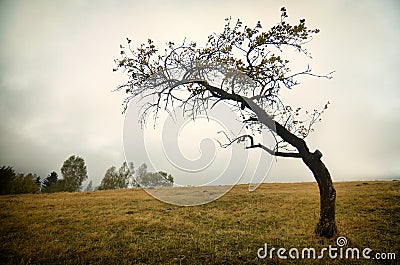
130 227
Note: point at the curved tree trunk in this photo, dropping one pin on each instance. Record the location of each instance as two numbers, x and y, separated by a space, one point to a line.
326 226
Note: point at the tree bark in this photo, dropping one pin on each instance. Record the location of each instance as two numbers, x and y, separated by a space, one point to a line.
326 226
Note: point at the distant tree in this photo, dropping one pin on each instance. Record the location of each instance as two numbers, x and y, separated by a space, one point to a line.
156 179
12 183
39 183
141 173
59 186
153 179
125 175
109 181
133 182
49 181
120 179
74 173
89 187
169 180
7 177
24 184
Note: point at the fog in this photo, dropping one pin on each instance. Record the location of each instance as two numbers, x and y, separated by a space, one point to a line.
56 79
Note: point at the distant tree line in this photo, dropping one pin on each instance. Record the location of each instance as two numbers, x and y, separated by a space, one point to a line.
125 177
74 173
13 183
153 179
118 179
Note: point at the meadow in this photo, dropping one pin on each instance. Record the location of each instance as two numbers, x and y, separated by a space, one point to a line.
131 227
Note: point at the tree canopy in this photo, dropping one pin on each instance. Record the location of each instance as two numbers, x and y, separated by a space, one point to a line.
74 172
153 179
49 181
13 183
258 54
118 179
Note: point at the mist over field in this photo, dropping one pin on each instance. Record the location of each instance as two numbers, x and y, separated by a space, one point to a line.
56 61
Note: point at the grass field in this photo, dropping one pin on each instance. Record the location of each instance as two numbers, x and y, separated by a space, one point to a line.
131 227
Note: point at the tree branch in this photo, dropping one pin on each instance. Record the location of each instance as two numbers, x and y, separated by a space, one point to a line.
252 145
285 134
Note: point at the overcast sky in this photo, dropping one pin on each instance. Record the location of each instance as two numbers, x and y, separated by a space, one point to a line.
56 60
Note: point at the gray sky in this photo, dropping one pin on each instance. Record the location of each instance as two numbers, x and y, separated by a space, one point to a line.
56 60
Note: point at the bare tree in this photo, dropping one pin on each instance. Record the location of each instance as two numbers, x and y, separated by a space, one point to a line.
182 74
